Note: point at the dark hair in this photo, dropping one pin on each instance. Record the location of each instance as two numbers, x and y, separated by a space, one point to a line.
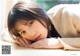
23 11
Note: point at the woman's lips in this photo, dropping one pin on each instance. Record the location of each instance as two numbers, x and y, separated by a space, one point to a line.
38 38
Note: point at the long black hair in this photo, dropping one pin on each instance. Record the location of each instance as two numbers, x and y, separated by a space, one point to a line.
28 12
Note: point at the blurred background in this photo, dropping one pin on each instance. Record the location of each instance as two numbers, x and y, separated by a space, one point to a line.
5 6
47 4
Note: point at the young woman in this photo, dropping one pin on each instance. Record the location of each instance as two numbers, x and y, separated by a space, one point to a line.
31 27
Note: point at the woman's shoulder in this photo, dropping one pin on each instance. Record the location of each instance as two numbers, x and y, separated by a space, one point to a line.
56 8
63 9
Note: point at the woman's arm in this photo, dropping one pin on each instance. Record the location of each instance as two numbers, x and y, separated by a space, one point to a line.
47 43
44 43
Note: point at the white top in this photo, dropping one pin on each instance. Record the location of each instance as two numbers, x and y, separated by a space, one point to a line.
66 19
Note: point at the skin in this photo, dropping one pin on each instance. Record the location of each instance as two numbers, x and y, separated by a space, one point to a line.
31 30
34 31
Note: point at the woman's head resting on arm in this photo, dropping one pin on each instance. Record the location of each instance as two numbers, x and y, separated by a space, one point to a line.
28 21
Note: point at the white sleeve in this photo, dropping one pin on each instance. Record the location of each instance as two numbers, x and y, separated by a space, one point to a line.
70 43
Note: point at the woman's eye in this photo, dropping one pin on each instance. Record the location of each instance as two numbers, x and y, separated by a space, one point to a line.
23 32
30 23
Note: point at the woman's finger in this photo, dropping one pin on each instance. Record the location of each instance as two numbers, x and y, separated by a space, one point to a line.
18 42
26 41
22 42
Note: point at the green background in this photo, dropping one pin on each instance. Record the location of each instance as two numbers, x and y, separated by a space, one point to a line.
47 4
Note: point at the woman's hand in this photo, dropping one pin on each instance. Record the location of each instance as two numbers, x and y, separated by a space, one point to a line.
47 43
43 43
22 42
25 43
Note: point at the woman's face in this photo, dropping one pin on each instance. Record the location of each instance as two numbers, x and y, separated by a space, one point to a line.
31 30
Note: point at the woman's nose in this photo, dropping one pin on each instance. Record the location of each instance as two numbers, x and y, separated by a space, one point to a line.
31 32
